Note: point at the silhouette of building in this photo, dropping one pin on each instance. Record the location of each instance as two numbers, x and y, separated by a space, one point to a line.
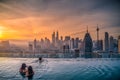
111 44
67 38
97 38
100 46
5 46
30 47
35 44
61 38
72 43
53 38
119 44
76 42
57 36
88 45
106 41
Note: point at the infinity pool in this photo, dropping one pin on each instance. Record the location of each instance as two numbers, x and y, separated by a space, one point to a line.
62 69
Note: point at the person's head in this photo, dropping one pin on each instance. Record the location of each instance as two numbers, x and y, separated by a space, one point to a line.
40 58
23 66
30 69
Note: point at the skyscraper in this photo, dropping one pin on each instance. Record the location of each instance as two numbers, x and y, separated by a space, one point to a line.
61 38
97 37
30 47
106 41
88 45
111 43
67 38
76 42
53 38
100 45
57 36
119 44
72 43
35 43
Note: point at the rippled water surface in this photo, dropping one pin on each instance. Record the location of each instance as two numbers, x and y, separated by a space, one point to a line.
62 69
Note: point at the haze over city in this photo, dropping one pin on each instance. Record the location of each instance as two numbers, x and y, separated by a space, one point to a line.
59 40
24 20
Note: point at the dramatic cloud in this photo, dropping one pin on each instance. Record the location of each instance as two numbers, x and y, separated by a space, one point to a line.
38 18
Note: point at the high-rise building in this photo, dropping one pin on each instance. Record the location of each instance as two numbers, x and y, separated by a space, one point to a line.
111 44
35 43
72 43
116 45
76 42
106 41
61 38
57 36
97 37
67 38
100 46
119 44
88 45
53 38
30 47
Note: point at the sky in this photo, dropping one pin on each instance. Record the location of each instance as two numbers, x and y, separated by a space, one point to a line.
22 20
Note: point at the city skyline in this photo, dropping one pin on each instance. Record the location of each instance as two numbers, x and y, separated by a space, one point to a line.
25 20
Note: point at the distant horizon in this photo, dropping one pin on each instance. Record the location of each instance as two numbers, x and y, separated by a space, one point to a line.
22 41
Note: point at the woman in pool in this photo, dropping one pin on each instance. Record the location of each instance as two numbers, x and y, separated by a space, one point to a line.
30 73
23 70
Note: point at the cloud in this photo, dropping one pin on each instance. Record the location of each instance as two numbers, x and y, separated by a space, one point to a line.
68 16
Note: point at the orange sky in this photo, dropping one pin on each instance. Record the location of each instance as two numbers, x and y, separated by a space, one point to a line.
26 20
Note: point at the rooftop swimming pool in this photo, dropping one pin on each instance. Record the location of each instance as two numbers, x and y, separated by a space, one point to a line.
62 69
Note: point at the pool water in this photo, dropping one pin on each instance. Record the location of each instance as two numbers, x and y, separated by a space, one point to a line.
62 69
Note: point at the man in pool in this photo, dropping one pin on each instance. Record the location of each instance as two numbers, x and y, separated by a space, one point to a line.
22 70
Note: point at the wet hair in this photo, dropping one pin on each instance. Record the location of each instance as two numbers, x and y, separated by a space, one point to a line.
23 66
40 58
30 71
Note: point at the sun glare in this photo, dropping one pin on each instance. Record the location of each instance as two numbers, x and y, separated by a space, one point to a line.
1 31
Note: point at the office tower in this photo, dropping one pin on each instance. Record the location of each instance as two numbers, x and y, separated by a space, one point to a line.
30 47
72 43
97 37
111 44
53 38
115 45
57 36
76 42
61 38
88 45
119 44
100 45
67 38
35 43
106 41
5 45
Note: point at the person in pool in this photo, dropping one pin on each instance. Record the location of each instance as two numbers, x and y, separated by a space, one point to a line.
22 70
40 59
30 73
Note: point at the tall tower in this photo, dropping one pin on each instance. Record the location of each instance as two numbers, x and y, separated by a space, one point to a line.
57 36
106 41
88 45
97 37
119 44
35 43
111 43
53 38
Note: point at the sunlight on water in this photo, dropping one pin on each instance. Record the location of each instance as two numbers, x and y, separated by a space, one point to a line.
62 69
